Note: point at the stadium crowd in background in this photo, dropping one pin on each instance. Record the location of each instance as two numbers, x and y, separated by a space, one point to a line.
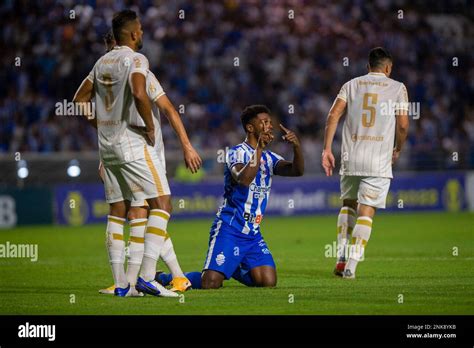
214 57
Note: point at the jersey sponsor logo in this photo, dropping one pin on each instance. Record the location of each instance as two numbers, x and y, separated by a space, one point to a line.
108 123
253 218
261 189
220 259
356 137
373 83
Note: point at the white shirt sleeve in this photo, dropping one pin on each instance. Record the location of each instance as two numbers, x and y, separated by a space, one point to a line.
402 99
153 87
343 93
139 64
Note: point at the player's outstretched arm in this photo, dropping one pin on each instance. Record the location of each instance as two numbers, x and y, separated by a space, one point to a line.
401 133
327 158
84 94
295 168
142 102
191 157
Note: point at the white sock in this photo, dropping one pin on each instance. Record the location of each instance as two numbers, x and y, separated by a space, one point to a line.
155 236
136 247
360 237
116 249
345 224
169 257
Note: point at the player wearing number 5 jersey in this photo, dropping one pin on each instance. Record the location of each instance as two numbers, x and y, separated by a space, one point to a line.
373 135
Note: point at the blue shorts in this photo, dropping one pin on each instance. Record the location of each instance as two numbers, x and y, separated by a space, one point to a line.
227 252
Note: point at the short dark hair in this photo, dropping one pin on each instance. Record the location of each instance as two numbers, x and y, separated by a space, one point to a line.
378 56
109 37
120 20
251 112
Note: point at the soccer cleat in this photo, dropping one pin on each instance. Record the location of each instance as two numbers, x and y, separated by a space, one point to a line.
128 292
180 284
107 291
153 288
347 274
339 270
122 292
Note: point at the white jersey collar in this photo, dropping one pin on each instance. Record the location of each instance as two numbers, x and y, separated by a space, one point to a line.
123 47
376 73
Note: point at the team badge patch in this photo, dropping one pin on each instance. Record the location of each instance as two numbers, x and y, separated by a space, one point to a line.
220 259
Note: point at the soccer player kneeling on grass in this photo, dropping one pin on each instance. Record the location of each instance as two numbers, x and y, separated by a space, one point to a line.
371 129
236 247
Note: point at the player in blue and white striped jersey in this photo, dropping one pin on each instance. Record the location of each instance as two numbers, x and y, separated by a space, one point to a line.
236 247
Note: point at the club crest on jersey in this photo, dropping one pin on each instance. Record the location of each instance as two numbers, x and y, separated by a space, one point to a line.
220 259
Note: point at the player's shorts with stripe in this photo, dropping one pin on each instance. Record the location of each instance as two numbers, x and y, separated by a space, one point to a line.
136 181
227 251
162 172
368 190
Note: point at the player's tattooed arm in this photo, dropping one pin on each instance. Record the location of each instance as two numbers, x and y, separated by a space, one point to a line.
327 158
84 94
142 102
191 157
295 168
401 133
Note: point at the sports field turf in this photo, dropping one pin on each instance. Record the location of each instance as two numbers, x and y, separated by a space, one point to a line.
408 254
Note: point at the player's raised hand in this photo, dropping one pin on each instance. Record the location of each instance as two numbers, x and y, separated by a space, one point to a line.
192 159
289 136
328 162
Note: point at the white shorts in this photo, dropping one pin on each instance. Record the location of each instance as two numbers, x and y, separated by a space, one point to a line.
368 190
136 181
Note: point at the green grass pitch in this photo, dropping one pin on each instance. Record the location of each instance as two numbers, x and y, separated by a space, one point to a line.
408 254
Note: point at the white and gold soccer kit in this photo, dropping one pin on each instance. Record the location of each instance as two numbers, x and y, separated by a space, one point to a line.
154 91
368 136
132 168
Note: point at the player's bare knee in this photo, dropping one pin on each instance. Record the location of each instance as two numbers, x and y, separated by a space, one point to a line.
118 209
267 283
137 213
211 283
211 280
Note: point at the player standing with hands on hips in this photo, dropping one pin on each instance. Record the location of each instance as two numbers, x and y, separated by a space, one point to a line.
372 138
